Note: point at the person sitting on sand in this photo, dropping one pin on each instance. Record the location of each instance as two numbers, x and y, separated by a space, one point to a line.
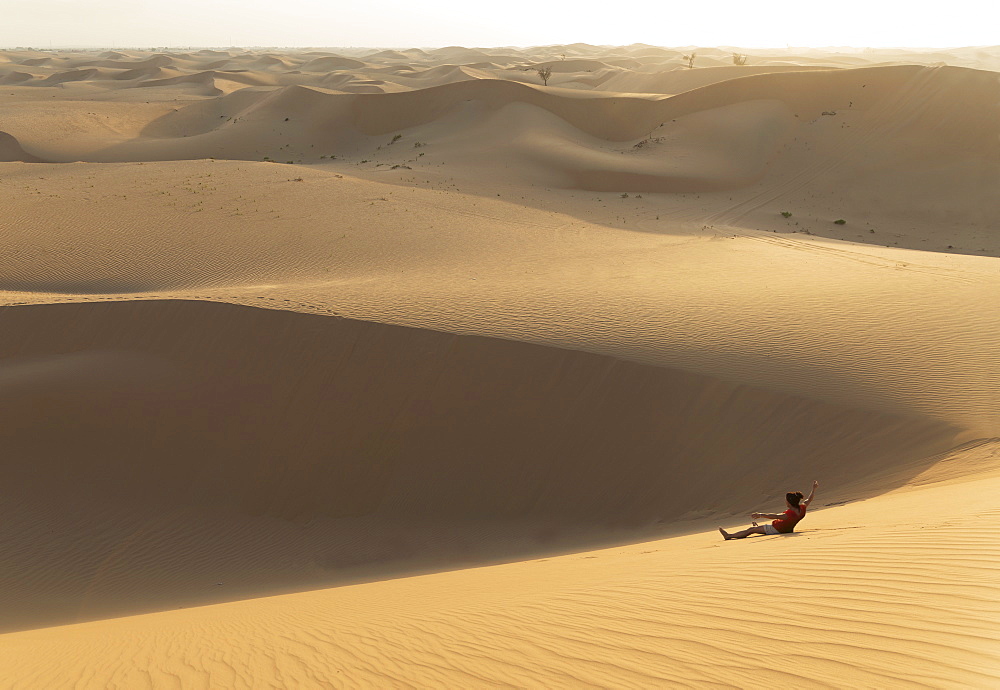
783 523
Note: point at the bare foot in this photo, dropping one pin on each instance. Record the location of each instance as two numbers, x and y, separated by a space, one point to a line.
725 534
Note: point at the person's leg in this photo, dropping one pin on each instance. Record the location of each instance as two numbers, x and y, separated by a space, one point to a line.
742 534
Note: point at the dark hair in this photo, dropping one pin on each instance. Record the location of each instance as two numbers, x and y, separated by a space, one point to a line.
794 498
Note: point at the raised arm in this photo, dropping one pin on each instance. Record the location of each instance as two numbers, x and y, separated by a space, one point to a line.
806 501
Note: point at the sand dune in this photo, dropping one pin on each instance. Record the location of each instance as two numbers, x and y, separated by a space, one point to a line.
627 615
16 77
458 53
331 62
558 66
36 62
155 61
786 138
75 75
724 136
680 80
10 150
393 445
214 83
148 73
389 55
446 74
279 327
370 257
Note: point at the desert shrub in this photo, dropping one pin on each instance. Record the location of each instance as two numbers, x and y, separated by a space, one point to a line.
786 214
840 221
545 73
739 59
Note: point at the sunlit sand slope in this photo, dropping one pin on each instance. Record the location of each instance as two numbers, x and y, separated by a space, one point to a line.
910 333
899 591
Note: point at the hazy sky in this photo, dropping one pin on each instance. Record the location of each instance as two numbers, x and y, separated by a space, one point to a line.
432 23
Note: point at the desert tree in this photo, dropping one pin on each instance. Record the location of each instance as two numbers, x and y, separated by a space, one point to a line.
739 59
545 73
690 59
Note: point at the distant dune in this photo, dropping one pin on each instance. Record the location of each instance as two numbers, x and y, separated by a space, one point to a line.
16 77
331 62
726 135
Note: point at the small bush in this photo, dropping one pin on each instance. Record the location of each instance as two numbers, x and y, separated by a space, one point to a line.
624 195
840 221
417 144
739 59
396 138
786 214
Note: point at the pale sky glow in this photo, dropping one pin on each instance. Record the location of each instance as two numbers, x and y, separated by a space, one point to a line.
434 23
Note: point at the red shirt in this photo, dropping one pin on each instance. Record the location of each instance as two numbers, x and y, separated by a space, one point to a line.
791 518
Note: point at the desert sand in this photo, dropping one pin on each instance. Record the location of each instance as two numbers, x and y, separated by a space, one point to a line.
394 368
